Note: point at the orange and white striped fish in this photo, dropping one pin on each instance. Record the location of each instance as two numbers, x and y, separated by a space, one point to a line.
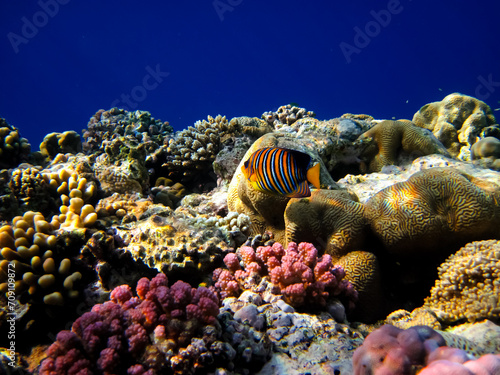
281 171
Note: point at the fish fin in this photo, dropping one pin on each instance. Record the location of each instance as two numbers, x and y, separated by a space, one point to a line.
301 191
313 175
301 158
245 169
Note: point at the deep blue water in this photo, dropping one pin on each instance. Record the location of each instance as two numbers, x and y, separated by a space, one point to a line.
62 60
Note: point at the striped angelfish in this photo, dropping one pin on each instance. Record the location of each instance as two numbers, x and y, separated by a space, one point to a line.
281 171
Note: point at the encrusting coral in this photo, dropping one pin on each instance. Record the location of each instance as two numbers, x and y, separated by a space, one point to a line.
486 152
389 140
468 286
458 121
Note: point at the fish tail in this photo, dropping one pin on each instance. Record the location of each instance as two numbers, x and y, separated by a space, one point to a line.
313 175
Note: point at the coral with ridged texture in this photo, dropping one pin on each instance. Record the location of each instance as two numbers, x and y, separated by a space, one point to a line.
458 121
161 329
388 141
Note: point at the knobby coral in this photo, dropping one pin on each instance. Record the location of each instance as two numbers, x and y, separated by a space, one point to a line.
303 278
162 328
469 284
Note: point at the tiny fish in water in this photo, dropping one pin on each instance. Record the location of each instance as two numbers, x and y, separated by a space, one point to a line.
281 171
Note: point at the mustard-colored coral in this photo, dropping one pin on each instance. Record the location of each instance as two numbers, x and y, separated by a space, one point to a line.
468 286
66 142
29 257
13 148
457 121
432 209
388 140
30 188
486 152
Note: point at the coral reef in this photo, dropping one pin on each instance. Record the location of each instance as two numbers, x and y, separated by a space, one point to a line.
468 286
42 272
61 143
162 328
432 209
390 350
458 121
297 273
389 141
13 148
137 127
286 115
30 189
486 152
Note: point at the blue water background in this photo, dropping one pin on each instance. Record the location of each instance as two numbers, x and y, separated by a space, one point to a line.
239 57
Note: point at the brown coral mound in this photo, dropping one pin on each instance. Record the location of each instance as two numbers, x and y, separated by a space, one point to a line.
389 140
469 284
458 120
433 209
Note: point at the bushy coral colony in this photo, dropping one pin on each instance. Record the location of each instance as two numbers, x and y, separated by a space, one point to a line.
134 249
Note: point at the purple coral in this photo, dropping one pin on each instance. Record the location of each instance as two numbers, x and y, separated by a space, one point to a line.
117 335
393 351
300 275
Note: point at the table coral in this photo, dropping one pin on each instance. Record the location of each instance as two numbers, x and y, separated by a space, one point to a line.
388 141
303 278
390 350
468 286
42 272
161 329
432 209
457 121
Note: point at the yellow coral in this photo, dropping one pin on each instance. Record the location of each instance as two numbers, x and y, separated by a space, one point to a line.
468 286
28 257
432 209
385 142
457 120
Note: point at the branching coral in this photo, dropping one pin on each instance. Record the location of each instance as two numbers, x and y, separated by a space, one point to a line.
297 273
162 329
286 115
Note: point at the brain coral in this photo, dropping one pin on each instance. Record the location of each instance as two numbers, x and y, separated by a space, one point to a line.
389 140
457 121
469 284
432 209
